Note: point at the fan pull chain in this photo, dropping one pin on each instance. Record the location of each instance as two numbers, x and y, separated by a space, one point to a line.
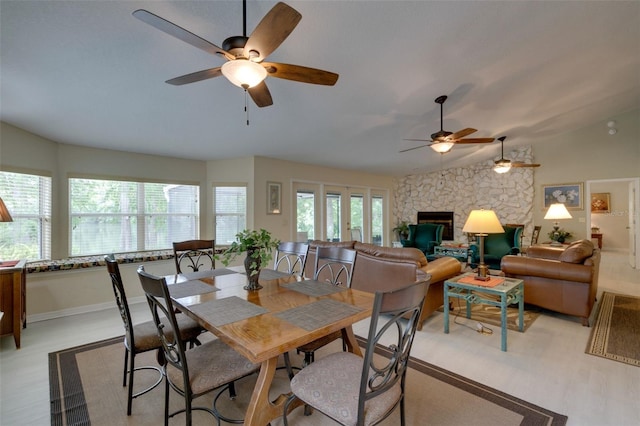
246 106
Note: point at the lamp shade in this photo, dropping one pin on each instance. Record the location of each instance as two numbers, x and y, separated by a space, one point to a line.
483 222
5 216
244 73
442 147
557 211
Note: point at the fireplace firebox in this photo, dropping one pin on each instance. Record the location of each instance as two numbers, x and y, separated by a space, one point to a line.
440 218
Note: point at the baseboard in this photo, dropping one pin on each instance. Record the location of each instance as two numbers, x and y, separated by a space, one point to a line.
79 310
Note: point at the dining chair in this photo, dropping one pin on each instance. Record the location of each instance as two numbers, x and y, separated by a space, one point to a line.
333 265
191 373
291 257
535 234
142 337
354 390
194 254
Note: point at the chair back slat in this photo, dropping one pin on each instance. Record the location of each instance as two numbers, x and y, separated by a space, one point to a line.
291 257
335 265
157 294
401 309
121 298
194 255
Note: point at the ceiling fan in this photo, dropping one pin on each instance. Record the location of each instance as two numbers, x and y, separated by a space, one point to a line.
245 66
503 165
443 141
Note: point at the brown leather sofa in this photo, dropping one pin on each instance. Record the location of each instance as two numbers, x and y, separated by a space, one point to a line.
381 268
563 279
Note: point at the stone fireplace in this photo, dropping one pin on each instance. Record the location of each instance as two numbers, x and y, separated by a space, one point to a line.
439 218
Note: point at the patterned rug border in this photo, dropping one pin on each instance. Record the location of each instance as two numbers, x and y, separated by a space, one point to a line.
72 408
532 414
599 337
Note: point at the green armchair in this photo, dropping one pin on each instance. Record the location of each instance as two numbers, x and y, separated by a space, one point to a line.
496 246
425 237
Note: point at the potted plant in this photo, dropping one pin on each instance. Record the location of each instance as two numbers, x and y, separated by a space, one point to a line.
402 230
259 246
560 236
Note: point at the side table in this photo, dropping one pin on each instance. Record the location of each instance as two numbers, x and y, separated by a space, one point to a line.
460 253
12 299
509 290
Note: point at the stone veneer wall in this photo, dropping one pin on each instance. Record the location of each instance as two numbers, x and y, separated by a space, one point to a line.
464 189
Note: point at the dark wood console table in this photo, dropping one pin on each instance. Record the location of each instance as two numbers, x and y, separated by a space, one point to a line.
13 299
597 236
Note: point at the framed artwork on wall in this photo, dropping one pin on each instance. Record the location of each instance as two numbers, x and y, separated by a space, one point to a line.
600 202
570 194
274 198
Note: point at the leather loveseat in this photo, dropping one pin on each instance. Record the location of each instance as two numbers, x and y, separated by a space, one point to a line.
563 279
382 268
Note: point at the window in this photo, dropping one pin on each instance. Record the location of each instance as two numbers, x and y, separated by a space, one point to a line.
306 208
109 216
28 199
377 219
230 205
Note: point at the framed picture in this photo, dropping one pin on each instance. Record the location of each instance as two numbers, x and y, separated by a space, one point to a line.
274 198
570 194
600 202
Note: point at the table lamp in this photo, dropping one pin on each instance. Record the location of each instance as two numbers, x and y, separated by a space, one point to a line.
5 216
557 211
482 223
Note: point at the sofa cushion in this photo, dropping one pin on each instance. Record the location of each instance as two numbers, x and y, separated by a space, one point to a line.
577 252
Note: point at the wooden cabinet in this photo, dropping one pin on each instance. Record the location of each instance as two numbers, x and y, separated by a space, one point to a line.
13 299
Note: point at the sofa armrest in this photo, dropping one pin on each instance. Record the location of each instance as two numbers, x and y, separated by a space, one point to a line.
544 252
546 268
442 268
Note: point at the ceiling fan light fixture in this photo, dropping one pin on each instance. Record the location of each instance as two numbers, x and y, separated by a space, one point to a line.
244 73
442 147
502 166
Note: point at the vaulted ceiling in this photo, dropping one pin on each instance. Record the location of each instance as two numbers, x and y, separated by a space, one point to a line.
89 73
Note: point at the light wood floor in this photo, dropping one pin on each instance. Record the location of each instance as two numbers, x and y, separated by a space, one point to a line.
545 366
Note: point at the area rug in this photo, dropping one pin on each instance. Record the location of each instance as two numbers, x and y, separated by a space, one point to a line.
615 334
487 314
86 388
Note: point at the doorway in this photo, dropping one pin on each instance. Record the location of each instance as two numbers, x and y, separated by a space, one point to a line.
612 208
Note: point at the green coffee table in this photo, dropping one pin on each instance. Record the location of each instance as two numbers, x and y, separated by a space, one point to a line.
510 291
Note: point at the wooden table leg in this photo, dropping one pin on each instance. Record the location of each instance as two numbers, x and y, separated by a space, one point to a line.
350 340
261 411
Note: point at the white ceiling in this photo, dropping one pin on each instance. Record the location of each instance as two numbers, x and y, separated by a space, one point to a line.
89 73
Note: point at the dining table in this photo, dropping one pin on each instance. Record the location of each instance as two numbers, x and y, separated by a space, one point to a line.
288 312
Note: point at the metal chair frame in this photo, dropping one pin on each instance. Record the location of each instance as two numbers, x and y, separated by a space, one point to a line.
129 338
174 350
292 255
402 307
195 254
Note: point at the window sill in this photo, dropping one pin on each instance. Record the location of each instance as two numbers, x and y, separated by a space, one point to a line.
96 261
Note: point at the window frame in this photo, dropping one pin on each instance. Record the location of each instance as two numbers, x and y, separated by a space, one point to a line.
139 212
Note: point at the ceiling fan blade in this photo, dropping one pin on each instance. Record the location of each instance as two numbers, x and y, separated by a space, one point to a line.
411 149
261 95
300 73
461 133
195 76
474 140
520 164
272 30
180 33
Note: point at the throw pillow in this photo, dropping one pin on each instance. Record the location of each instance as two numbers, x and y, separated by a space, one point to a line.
577 252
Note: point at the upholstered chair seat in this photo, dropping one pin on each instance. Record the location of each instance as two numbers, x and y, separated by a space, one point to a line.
334 388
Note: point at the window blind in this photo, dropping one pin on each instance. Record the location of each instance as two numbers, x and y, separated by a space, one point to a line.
28 199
